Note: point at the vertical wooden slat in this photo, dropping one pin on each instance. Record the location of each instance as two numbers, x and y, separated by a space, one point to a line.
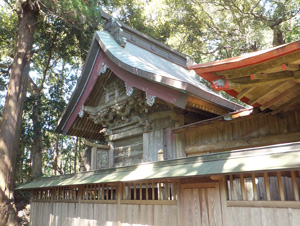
295 186
153 196
172 191
129 191
147 195
160 191
267 186
86 188
141 185
123 189
69 193
254 186
167 188
280 186
98 198
134 190
106 191
243 187
231 187
102 192
111 192
119 191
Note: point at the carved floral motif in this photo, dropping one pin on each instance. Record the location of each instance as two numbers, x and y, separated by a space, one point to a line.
129 89
103 68
150 99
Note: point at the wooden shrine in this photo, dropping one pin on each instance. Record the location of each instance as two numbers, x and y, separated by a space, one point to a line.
163 149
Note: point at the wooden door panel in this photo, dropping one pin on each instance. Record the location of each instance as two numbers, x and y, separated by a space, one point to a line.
201 205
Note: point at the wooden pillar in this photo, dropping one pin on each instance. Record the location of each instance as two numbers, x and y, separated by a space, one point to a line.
111 155
119 196
224 198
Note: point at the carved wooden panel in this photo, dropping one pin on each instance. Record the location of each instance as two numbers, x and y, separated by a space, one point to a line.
102 159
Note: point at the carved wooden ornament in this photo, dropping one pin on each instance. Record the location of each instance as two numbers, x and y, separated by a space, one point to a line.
103 68
129 89
150 99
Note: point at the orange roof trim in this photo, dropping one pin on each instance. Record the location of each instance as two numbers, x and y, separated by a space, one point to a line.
247 59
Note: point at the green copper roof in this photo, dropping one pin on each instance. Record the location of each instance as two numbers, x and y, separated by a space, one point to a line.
275 157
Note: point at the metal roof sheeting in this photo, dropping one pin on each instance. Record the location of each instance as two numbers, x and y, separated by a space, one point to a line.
274 157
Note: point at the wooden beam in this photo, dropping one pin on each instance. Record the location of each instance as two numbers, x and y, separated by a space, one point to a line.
273 76
242 143
268 91
244 92
205 106
290 67
254 187
280 185
287 106
244 196
295 186
279 97
258 68
266 204
231 187
267 186
251 83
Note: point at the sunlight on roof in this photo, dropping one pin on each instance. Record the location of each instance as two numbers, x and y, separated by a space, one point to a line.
141 172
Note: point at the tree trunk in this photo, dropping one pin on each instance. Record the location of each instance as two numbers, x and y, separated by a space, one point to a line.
76 151
55 155
10 127
37 146
277 37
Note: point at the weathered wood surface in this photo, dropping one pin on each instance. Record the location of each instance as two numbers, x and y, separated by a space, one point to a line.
63 214
201 205
252 216
252 131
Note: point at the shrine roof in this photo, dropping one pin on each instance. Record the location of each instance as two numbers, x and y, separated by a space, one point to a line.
142 63
267 158
268 79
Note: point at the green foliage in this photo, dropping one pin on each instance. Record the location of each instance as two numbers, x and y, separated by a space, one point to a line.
205 30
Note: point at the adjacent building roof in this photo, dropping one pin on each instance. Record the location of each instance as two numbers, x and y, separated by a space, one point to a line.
142 63
266 79
268 158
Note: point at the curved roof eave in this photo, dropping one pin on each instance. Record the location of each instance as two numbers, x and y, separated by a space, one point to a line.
192 87
199 91
247 59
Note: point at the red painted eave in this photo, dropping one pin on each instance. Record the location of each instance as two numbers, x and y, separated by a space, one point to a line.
247 59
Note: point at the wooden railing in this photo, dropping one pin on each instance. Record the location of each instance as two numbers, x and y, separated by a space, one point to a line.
146 192
274 187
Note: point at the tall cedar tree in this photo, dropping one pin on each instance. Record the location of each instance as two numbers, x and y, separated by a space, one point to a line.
11 119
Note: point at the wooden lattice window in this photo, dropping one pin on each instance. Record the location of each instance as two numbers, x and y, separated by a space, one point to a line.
268 186
41 194
65 193
99 192
155 190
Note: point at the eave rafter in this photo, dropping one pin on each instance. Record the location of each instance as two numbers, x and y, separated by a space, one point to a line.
289 59
205 106
293 90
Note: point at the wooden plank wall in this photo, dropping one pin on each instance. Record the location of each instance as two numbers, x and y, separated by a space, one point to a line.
194 198
254 216
91 214
250 131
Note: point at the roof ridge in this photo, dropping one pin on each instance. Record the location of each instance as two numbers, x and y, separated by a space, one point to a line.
122 33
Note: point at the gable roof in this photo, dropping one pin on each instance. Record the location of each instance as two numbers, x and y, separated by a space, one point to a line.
266 79
142 63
